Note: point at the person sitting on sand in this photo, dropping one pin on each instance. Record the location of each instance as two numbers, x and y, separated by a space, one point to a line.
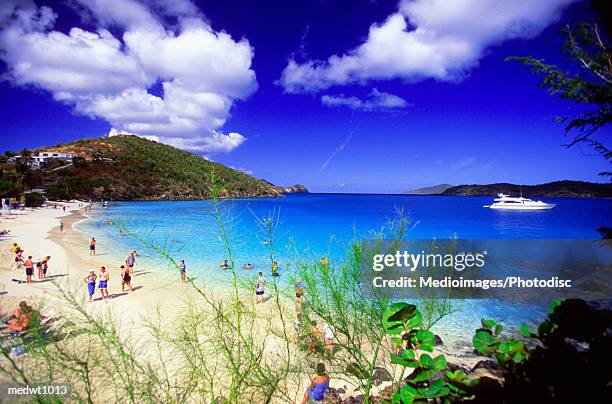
22 322
247 266
29 267
92 246
318 385
126 279
260 288
103 283
312 341
225 265
183 271
90 280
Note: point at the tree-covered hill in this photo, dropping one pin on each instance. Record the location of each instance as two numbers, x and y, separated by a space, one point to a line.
132 168
557 189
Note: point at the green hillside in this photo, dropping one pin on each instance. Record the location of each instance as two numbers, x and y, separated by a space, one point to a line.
557 189
132 168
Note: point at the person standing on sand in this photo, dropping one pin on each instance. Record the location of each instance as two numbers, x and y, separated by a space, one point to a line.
126 279
260 288
299 296
103 283
45 266
183 270
90 280
29 267
92 247
61 226
130 261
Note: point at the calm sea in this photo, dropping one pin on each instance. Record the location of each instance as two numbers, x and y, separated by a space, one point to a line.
318 225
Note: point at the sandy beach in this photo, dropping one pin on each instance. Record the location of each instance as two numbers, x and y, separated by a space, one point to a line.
155 294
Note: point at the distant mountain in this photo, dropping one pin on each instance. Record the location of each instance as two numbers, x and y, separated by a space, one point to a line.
557 189
433 190
297 188
133 168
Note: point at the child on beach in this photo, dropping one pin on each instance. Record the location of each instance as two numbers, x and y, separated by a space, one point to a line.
92 246
260 288
90 280
29 267
103 283
183 270
126 279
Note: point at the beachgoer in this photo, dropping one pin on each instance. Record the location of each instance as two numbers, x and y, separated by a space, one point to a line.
103 283
39 271
22 322
312 341
130 261
247 266
15 248
274 268
29 267
61 226
45 266
297 327
92 246
63 208
90 280
328 334
183 270
260 288
324 261
299 296
318 385
126 279
225 265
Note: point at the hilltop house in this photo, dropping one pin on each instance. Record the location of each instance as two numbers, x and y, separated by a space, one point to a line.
41 159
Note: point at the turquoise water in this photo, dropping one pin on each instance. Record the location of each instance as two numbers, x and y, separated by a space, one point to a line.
318 225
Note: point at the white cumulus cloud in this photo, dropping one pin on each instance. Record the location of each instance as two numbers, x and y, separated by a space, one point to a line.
423 39
376 101
201 72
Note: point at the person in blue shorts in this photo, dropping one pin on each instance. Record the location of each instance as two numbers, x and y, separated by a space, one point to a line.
90 280
103 283
318 385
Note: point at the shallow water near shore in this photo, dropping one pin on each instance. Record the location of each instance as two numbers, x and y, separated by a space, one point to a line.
318 225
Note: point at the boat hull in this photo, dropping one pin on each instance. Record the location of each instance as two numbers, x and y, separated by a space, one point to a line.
523 207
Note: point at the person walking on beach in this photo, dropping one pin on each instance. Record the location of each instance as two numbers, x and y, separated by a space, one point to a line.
90 281
126 279
103 283
260 288
183 270
61 226
92 246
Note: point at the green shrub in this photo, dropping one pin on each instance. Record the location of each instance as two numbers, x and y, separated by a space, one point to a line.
34 200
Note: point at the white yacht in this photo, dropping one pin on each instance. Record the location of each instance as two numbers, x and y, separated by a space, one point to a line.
509 203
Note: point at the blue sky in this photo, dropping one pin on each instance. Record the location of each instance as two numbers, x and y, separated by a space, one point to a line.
417 94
